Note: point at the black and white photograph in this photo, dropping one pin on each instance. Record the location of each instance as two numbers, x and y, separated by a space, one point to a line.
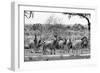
50 35
58 37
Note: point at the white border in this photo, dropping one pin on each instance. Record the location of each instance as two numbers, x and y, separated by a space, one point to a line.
18 55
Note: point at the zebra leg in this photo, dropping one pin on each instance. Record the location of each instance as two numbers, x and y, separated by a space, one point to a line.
68 51
54 51
44 50
73 52
51 51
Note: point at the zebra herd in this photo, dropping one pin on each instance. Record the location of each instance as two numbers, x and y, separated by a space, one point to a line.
57 44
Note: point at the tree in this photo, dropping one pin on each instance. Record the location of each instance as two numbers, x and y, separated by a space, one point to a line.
49 20
53 20
28 14
81 15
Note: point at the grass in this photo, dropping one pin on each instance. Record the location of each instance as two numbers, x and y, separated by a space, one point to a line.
84 53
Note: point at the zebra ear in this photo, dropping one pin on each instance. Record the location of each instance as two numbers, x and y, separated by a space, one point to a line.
81 38
43 41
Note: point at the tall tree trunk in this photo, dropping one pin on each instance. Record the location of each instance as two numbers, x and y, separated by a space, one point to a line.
89 24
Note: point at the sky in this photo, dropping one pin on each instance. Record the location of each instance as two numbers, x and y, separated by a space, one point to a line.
43 17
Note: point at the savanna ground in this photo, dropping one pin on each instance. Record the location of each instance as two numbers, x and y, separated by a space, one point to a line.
47 32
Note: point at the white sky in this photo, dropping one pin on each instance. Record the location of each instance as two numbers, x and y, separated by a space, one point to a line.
41 17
